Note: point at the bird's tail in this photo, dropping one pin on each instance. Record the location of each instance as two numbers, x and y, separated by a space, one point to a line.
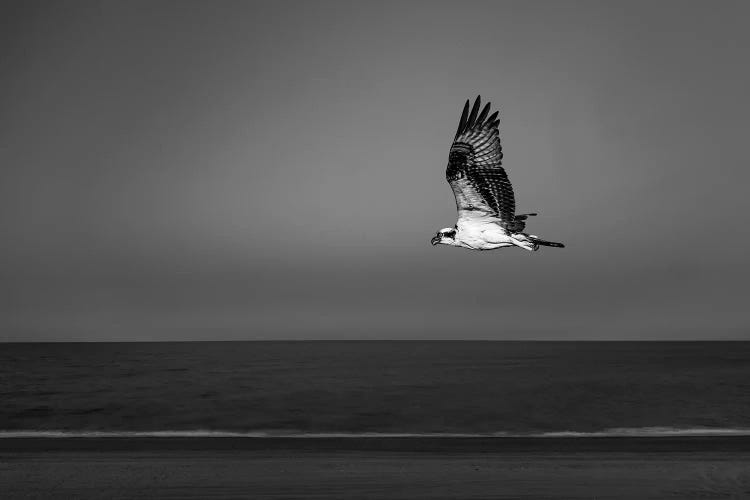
545 243
531 242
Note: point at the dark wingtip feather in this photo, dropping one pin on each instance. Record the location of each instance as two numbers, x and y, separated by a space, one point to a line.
474 110
490 120
462 121
483 115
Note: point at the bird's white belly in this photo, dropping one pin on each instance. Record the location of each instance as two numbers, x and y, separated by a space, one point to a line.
485 237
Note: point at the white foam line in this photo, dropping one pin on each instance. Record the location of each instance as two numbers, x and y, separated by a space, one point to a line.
618 432
649 432
201 433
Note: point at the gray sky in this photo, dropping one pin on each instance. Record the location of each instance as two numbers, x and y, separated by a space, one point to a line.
248 170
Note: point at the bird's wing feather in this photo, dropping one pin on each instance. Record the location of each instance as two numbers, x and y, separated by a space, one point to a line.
475 171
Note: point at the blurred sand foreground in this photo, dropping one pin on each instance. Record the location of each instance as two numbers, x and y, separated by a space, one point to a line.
200 470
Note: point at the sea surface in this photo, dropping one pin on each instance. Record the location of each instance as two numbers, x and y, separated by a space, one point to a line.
365 388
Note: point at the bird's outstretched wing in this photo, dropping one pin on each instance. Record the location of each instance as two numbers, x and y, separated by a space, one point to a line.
475 171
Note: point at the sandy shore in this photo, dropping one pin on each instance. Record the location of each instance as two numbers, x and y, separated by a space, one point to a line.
375 469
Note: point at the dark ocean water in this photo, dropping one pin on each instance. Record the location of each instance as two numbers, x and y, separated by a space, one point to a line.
376 387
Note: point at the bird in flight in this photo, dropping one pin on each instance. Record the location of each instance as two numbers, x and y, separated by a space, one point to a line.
484 197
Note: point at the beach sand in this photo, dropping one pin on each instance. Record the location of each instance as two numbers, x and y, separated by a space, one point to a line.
375 468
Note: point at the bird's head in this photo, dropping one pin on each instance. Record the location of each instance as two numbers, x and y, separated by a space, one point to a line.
446 236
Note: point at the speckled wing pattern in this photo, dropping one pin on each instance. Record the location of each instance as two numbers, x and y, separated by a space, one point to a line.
475 171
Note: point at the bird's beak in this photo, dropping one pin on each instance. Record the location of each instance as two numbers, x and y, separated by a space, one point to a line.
435 240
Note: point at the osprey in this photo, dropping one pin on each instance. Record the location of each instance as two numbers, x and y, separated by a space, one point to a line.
484 197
